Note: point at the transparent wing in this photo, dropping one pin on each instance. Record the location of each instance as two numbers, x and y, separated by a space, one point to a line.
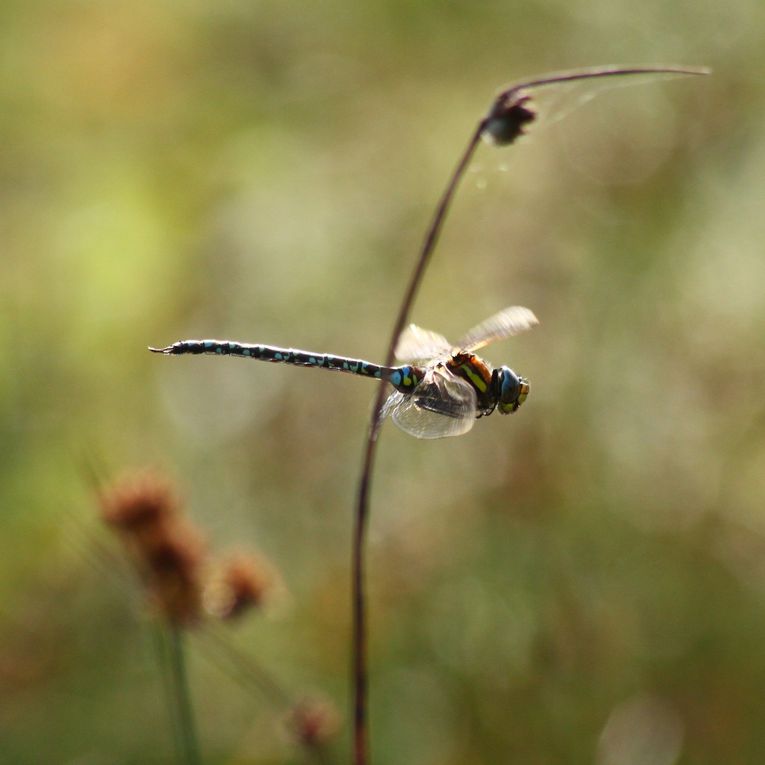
418 344
441 405
508 322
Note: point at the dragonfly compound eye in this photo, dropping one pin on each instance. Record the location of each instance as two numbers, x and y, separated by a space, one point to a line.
513 390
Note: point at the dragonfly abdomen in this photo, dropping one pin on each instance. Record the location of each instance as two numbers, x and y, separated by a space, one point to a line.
403 378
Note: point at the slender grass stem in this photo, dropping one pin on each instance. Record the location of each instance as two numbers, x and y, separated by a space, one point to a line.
245 669
505 106
181 699
252 676
160 640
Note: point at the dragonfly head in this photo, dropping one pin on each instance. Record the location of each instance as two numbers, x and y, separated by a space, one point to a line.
510 390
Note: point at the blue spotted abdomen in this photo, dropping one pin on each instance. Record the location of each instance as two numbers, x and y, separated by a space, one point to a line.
403 378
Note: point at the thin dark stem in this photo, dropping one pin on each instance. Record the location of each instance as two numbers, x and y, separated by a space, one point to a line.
360 726
603 71
189 753
359 638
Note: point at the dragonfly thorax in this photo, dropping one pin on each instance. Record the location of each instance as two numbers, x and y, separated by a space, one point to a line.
500 389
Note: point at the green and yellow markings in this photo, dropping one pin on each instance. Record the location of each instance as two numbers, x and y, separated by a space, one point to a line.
474 377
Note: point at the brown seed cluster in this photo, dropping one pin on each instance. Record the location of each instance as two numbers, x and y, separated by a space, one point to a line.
168 551
169 554
243 583
313 722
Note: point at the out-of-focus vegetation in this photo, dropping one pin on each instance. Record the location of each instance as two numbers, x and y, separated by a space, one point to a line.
583 582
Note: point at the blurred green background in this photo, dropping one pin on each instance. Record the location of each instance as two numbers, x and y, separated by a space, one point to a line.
581 583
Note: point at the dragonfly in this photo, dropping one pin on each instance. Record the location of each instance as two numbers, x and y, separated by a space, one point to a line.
440 391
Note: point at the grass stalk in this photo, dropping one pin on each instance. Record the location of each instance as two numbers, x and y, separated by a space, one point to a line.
180 698
504 123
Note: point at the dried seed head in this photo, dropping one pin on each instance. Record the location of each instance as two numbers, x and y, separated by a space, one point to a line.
313 722
507 117
173 566
167 551
244 582
138 501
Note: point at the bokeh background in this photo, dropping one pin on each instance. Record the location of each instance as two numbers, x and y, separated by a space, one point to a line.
581 583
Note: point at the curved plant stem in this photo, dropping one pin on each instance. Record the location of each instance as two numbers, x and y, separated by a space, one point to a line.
605 71
501 108
360 727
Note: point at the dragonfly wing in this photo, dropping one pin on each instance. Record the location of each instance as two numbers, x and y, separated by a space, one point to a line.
394 401
418 344
441 405
508 322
